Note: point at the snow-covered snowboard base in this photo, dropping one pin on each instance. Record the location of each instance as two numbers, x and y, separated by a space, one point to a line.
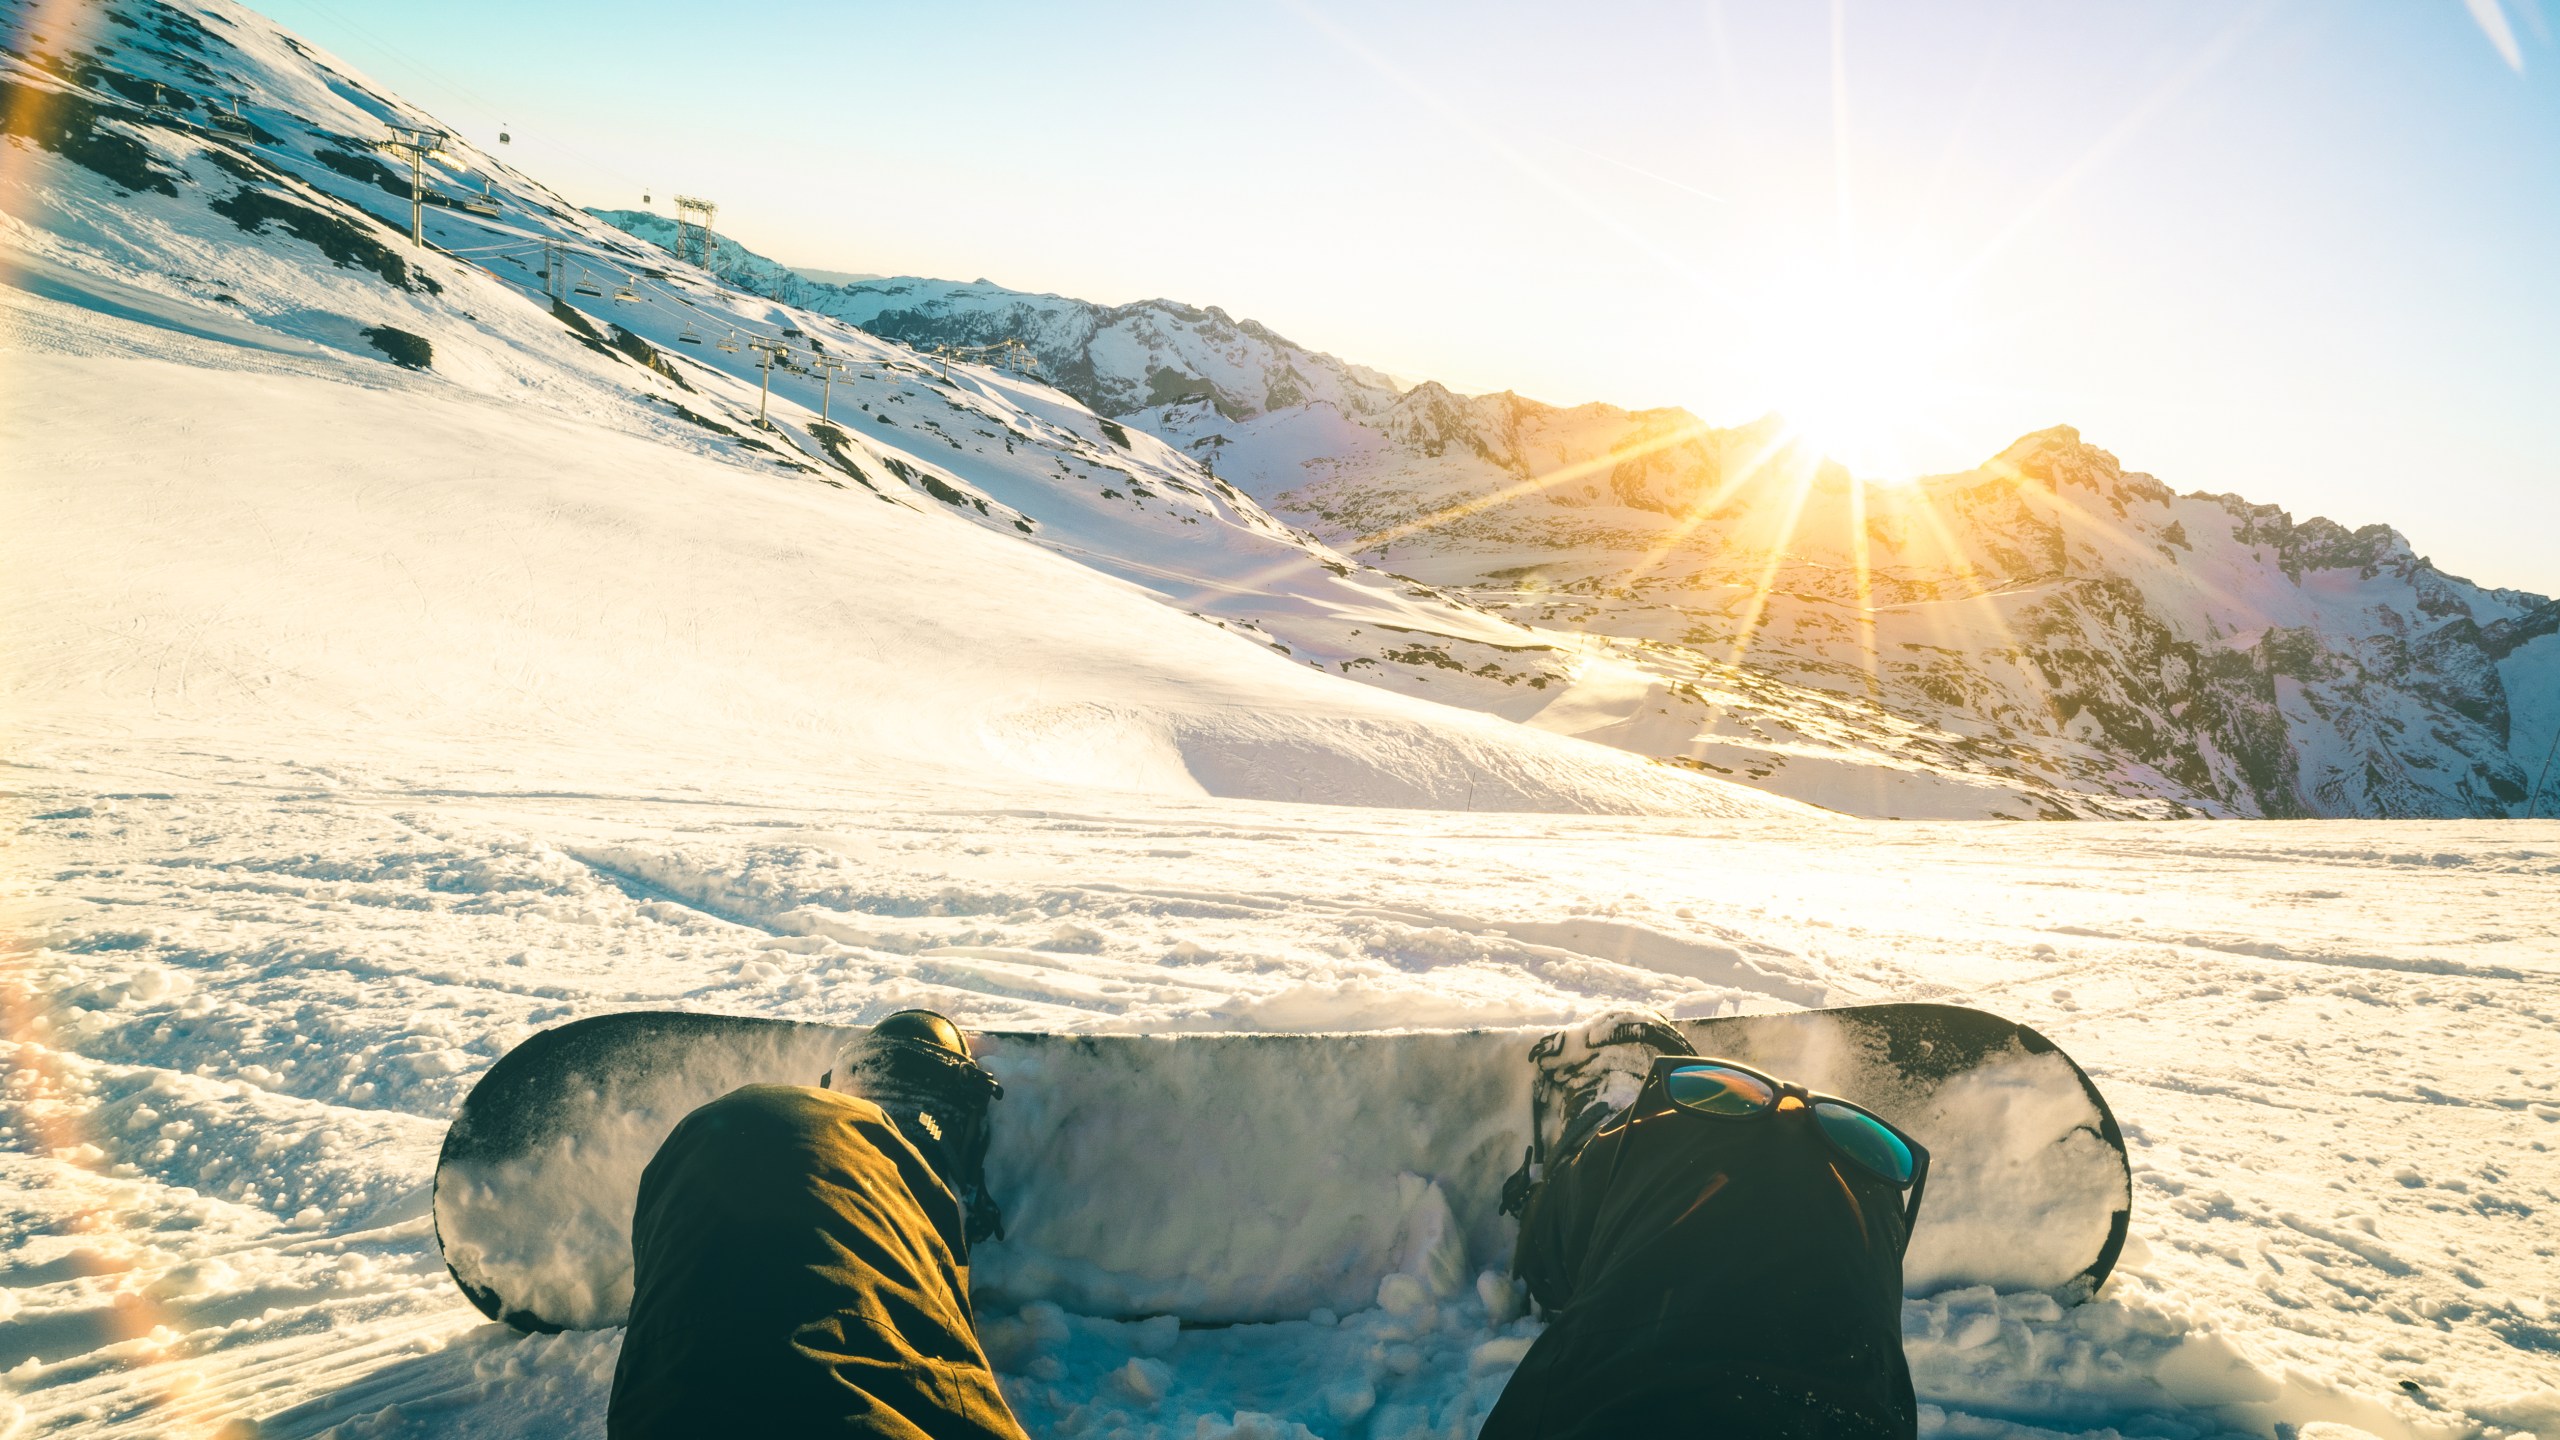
1259 1177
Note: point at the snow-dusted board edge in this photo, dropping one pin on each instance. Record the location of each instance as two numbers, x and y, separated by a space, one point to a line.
1234 1178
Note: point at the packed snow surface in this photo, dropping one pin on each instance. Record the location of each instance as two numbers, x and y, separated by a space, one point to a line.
256 987
365 718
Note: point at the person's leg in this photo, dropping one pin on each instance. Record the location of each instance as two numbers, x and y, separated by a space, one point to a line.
1715 1278
799 1269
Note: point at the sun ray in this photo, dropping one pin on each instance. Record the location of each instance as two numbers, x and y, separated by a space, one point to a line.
1859 570
1932 190
1708 504
1376 540
1503 150
1980 598
2094 527
1656 176
1806 466
1846 216
2206 60
1532 485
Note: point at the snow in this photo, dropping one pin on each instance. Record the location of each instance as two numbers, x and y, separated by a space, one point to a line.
2342 1143
363 721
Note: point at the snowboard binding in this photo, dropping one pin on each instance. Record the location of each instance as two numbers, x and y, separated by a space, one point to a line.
1586 1074
916 1065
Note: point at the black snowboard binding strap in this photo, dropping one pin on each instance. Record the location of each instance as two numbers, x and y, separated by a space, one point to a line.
916 1066
1585 1075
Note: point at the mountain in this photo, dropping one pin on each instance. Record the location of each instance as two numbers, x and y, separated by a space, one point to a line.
1120 360
2046 634
535 483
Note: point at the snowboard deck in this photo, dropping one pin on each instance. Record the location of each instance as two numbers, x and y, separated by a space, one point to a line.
1230 1178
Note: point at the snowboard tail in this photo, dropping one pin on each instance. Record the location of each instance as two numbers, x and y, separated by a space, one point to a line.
1230 1178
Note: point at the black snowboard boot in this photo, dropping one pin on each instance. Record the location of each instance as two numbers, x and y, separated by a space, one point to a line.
1586 1074
916 1066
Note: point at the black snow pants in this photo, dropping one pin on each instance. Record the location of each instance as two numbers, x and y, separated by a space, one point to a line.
1712 1277
799 1270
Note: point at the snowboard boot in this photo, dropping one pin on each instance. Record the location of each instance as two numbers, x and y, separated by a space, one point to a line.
916 1066
1586 1073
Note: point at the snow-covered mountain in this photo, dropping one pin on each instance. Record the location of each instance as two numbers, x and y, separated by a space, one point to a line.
1123 360
2048 634
239 218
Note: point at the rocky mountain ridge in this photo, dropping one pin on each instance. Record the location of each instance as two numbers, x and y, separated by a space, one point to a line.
2047 634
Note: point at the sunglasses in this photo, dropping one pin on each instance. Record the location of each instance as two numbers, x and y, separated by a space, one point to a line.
1725 1090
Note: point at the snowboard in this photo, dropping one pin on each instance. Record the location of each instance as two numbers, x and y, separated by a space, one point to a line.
1227 1178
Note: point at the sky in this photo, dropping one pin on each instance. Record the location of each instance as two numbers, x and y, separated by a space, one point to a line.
2307 251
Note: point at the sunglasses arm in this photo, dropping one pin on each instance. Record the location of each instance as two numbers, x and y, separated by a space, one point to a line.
1919 1184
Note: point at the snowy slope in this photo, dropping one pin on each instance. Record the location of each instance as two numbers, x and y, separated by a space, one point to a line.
2046 635
845 614
258 990
363 718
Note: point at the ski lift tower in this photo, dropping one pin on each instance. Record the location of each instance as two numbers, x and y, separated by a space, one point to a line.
692 231
767 352
420 146
829 368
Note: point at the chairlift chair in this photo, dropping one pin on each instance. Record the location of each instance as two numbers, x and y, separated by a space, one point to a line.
688 337
625 295
728 344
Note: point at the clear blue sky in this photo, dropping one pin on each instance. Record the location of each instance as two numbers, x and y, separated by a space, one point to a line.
2306 250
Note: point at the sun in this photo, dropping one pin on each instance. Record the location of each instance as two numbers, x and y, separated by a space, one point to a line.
1862 366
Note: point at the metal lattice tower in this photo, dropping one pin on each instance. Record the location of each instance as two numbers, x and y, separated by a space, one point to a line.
693 236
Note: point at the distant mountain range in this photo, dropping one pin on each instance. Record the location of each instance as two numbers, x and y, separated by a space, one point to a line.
2046 634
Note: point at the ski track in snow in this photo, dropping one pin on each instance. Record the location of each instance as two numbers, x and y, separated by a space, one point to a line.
250 995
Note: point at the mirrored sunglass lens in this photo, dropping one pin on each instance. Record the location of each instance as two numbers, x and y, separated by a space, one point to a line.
1864 1138
1719 1091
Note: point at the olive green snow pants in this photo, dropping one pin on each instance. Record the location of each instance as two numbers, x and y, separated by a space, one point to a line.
799 1270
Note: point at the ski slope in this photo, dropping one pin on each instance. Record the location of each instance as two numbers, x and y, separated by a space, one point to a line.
363 718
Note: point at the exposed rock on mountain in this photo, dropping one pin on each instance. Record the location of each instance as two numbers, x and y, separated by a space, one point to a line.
2047 634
